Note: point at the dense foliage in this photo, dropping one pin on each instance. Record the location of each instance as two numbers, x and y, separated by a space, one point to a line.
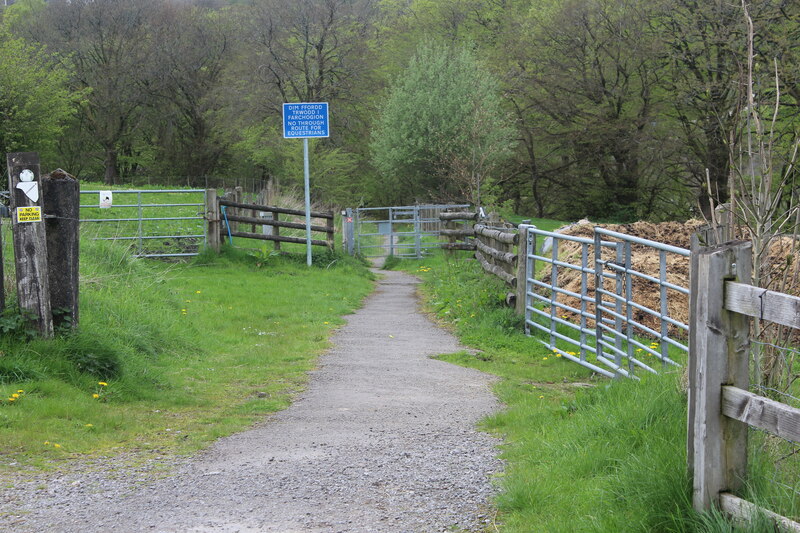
616 108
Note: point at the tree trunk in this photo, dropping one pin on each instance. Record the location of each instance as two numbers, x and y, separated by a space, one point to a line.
111 175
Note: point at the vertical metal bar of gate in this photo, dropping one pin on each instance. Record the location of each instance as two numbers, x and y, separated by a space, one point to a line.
662 277
530 273
598 296
391 231
357 223
140 232
619 290
417 236
584 296
628 280
553 292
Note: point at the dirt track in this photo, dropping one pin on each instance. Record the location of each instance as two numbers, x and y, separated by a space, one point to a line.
383 440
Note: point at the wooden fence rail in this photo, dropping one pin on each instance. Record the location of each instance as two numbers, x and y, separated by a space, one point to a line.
720 406
216 223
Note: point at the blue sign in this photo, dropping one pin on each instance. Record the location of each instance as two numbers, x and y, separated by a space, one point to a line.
304 120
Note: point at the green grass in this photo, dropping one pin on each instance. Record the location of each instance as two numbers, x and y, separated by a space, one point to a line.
583 454
189 353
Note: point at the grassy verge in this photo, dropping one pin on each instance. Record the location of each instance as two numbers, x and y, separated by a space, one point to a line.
169 357
583 454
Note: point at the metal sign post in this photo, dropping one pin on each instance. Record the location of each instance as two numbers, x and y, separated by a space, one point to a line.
304 121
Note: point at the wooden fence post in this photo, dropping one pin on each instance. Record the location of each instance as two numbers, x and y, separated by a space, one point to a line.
276 231
329 236
61 200
238 197
719 348
213 224
30 246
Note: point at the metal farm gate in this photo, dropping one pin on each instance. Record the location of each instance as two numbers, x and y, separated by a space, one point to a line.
402 231
584 307
157 223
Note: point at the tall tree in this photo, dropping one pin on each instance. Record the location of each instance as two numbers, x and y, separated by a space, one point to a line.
303 52
34 99
442 132
191 47
107 45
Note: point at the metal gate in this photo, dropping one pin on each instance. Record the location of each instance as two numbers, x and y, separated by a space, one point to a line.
157 223
591 317
401 231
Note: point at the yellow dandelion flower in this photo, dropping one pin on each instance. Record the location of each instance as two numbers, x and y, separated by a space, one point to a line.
15 395
56 446
12 399
197 292
89 425
558 355
544 358
95 396
102 383
20 391
541 397
47 443
638 349
326 322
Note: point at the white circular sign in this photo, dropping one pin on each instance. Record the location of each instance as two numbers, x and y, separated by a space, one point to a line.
26 175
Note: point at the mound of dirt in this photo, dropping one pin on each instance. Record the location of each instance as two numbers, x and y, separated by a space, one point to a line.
644 259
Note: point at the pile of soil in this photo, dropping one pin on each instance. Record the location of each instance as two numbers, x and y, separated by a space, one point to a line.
643 259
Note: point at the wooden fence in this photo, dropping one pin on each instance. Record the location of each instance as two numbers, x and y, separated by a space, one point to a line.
227 217
720 405
497 250
453 234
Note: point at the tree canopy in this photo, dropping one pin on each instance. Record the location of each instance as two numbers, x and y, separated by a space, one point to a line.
613 109
441 131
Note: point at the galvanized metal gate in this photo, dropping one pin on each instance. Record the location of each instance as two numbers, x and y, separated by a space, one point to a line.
157 223
594 320
401 231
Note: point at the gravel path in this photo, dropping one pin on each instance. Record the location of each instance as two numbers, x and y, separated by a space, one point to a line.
383 440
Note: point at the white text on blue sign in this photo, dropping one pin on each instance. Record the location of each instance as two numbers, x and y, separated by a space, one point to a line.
305 120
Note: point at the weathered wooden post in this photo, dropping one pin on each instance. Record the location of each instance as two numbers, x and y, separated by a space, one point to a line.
276 231
213 224
30 246
348 234
718 354
329 225
238 197
61 199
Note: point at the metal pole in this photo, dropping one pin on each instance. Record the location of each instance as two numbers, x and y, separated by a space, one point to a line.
141 215
308 202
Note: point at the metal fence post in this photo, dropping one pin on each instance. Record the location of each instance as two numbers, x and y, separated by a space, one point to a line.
417 236
391 231
140 230
522 270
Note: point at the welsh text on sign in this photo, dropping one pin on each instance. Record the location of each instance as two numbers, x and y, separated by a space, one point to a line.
29 214
305 120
